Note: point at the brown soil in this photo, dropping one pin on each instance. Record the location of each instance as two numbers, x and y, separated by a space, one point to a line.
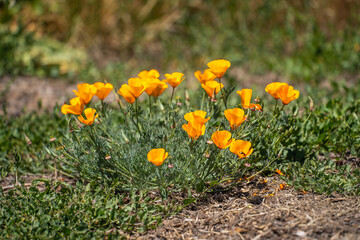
251 212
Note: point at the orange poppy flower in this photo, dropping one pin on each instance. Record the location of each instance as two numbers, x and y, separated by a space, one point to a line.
149 74
76 107
90 116
245 95
85 92
219 67
273 89
204 77
125 92
155 87
194 130
174 79
103 89
137 86
279 172
157 156
235 117
287 94
212 88
196 117
241 148
222 139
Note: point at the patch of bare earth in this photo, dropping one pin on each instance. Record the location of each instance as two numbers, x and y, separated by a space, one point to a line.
251 212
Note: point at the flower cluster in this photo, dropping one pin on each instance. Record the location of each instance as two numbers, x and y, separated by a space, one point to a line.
282 91
196 124
85 93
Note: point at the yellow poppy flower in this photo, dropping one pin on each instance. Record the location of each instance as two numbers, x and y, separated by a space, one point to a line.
157 156
85 92
155 87
149 74
125 92
219 67
196 117
222 139
212 88
137 86
241 148
76 107
194 130
245 95
90 116
204 77
273 89
235 117
103 89
174 79
287 94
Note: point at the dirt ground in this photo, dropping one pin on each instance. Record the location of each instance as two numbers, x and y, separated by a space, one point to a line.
255 210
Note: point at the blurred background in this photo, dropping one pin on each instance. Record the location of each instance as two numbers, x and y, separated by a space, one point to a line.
88 40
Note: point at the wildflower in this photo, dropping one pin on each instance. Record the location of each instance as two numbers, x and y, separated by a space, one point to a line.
209 142
197 117
157 156
137 86
155 87
179 103
235 117
282 186
212 88
247 164
103 89
241 148
174 79
204 77
85 92
194 131
107 157
219 67
245 95
196 124
133 89
52 139
76 107
287 94
170 165
125 92
149 74
279 172
222 139
90 116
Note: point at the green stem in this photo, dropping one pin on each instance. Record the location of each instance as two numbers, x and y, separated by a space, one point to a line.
222 94
172 95
149 106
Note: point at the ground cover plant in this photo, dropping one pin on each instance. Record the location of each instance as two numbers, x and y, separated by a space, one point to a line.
186 138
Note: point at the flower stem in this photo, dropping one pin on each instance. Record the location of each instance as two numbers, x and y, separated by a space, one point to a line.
172 94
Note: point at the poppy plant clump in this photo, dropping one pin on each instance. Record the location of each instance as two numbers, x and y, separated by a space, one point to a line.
137 131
